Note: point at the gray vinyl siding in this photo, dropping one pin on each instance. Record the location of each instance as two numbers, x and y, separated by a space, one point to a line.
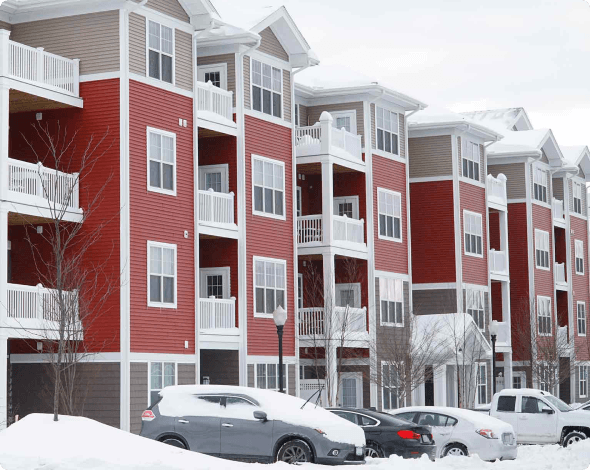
184 60
558 188
291 371
139 394
92 38
172 8
230 61
247 100
287 95
186 374
314 113
430 156
303 115
581 173
434 301
4 25
270 45
137 46
402 135
515 178
251 377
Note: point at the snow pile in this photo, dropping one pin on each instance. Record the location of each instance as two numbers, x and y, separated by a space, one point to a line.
180 400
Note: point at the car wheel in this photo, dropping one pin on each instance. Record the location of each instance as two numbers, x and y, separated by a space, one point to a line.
295 451
372 450
574 436
458 450
174 442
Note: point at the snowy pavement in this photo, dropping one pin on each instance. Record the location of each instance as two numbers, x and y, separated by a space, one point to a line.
37 443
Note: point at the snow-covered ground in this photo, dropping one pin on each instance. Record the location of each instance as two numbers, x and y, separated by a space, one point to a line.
37 443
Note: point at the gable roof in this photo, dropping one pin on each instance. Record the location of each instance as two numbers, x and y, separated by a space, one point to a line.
502 119
578 156
533 143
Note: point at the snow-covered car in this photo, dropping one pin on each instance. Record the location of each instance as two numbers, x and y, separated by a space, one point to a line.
251 424
464 432
581 406
539 417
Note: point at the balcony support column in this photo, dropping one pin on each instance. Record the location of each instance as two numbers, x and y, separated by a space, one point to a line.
4 113
3 313
327 201
507 370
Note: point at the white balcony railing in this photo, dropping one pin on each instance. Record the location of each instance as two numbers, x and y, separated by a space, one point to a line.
217 314
36 185
349 230
560 273
37 67
312 321
345 229
36 303
309 229
214 101
216 207
558 210
503 333
497 189
498 262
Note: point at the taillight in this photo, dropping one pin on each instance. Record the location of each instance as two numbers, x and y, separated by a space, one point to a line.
148 415
405 434
487 433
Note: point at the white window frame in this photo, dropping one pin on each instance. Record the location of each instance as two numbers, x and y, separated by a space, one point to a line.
400 403
159 51
221 168
171 135
351 114
149 384
154 244
221 68
386 285
354 200
262 213
579 256
299 202
542 241
297 110
481 384
581 322
283 262
468 231
262 87
382 128
583 381
266 364
540 180
577 197
354 286
358 377
467 155
397 204
299 290
225 272
544 307
522 376
474 299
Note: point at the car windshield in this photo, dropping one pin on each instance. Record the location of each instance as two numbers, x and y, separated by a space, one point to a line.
557 403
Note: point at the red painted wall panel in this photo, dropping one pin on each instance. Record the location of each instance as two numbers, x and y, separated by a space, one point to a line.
494 222
544 279
161 218
580 286
475 269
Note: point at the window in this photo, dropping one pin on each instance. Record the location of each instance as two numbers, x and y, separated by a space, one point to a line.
347 206
583 380
216 74
346 120
473 234
544 377
507 403
542 249
544 315
387 131
348 295
579 250
518 380
269 187
475 307
366 421
435 419
391 383
390 215
162 275
160 52
581 318
161 150
215 282
391 294
214 177
267 376
297 123
482 383
531 405
269 285
540 184
471 159
577 190
162 374
267 86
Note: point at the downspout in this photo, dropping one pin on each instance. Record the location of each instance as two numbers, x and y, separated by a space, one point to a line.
196 210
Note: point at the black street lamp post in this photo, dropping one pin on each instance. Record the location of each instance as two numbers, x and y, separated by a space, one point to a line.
280 318
493 336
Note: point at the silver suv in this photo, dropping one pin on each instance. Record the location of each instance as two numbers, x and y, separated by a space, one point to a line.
248 424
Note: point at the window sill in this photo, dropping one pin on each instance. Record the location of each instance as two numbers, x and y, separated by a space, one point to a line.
465 179
579 274
264 315
268 216
395 325
162 305
165 192
582 335
542 268
390 239
474 255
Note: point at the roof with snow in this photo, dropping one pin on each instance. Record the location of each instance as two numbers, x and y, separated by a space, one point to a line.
578 157
533 143
502 119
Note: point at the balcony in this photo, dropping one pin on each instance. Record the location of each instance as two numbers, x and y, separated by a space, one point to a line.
558 213
560 279
348 323
346 233
216 213
323 139
217 316
32 311
498 263
215 109
40 191
496 187
503 340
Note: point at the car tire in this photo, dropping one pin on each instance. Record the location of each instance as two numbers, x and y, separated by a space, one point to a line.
456 449
294 452
373 450
572 437
174 442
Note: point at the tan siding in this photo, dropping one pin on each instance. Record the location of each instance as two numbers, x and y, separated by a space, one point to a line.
460 155
139 394
287 95
303 116
558 188
270 45
570 186
402 135
230 61
4 25
373 128
544 158
314 113
186 374
581 172
291 379
184 60
92 38
430 156
247 104
137 46
169 7
515 178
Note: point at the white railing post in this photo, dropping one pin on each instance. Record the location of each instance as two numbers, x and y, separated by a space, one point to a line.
326 120
4 53
39 302
39 182
503 179
40 65
76 78
210 95
231 208
211 204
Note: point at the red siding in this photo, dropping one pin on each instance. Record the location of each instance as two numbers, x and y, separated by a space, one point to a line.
494 221
433 232
475 270
580 286
497 301
161 218
544 284
269 237
390 256
311 194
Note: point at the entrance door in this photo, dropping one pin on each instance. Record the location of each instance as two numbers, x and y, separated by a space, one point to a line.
351 390
429 386
348 206
213 177
348 295
215 283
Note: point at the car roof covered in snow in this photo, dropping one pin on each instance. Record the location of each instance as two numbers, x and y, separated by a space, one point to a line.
523 391
477 418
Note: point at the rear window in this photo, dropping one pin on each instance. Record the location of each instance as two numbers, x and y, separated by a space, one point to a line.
366 421
506 403
435 419
406 416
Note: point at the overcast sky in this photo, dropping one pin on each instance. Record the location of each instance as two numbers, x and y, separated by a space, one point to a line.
461 54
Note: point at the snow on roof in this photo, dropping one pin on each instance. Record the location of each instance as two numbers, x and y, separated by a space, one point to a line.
519 142
244 14
333 76
503 119
224 31
572 154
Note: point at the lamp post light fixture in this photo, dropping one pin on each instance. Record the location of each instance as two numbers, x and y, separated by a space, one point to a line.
280 318
493 336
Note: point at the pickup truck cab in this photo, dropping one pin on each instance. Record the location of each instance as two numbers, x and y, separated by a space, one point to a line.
539 417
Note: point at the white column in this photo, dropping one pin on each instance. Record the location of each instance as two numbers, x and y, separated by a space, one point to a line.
326 120
440 386
330 323
327 201
508 370
3 304
3 381
4 109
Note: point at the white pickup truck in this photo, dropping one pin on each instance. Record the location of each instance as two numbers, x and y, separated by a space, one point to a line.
540 418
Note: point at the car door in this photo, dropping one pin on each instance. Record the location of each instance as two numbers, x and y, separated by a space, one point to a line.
438 423
202 433
370 426
534 426
243 436
506 410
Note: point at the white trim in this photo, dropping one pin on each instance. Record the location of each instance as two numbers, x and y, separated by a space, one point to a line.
435 286
427 179
477 216
93 77
274 362
271 260
477 384
162 18
222 168
397 113
517 201
260 56
224 271
399 405
160 84
585 366
168 246
391 275
267 118
578 303
270 360
149 378
159 51
538 234
358 377
298 202
221 68
172 135
264 61
264 214
477 287
397 197
517 373
578 216
541 204
155 357
349 113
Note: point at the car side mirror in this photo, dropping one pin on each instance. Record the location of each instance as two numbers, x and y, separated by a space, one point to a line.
548 411
260 415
